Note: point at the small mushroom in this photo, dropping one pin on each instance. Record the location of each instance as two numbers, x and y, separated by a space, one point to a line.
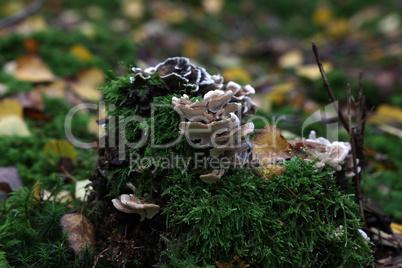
129 203
196 111
217 99
213 177
178 73
205 132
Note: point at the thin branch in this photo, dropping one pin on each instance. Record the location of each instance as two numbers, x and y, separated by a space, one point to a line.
31 9
328 87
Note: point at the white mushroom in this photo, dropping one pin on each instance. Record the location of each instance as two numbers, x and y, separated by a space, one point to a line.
129 203
212 177
217 99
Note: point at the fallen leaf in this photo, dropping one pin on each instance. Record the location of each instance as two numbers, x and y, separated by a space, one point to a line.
270 170
322 15
386 114
36 115
61 148
31 45
13 125
291 59
11 177
63 196
10 107
133 9
80 189
397 228
278 92
86 83
270 146
81 232
311 71
192 48
237 74
81 52
31 24
390 24
31 68
338 28
213 7
56 89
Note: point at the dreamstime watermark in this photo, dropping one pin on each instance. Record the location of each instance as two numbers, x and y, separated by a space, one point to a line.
209 130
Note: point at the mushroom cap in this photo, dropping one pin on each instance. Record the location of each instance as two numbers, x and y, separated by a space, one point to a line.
212 177
129 203
217 99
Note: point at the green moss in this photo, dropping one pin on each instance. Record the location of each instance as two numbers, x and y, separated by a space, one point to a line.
31 234
14 86
263 222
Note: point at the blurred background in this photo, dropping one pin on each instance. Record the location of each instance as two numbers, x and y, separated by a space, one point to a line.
53 54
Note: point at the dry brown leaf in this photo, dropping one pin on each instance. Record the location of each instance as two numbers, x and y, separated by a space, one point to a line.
271 146
87 82
13 125
10 107
31 68
81 232
270 170
31 45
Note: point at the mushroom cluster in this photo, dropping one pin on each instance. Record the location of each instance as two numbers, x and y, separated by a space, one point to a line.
179 74
333 154
214 123
129 203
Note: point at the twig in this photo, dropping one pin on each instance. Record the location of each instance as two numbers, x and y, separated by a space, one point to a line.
328 87
31 9
290 191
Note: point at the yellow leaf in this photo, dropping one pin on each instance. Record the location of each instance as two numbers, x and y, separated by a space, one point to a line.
86 83
397 228
213 7
81 232
31 68
338 28
237 74
133 9
311 71
386 114
270 170
291 59
10 107
192 48
271 146
278 92
61 148
81 52
322 15
13 125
